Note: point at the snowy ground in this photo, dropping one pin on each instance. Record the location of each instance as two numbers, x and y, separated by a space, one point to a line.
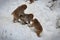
17 31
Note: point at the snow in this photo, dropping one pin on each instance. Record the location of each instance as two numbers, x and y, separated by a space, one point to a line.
17 31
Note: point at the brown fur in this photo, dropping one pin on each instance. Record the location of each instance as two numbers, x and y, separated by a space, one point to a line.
18 11
37 26
27 17
31 1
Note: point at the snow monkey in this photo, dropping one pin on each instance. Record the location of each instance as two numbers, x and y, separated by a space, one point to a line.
27 17
37 27
31 1
18 11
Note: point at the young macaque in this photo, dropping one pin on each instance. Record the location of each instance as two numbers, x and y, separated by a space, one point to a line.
26 18
37 26
18 11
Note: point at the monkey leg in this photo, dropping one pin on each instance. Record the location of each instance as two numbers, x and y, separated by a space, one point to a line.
14 20
38 33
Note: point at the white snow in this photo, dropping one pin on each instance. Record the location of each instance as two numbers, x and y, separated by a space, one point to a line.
17 31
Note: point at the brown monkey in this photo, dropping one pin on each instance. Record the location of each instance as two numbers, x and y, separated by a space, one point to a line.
18 11
37 26
27 18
